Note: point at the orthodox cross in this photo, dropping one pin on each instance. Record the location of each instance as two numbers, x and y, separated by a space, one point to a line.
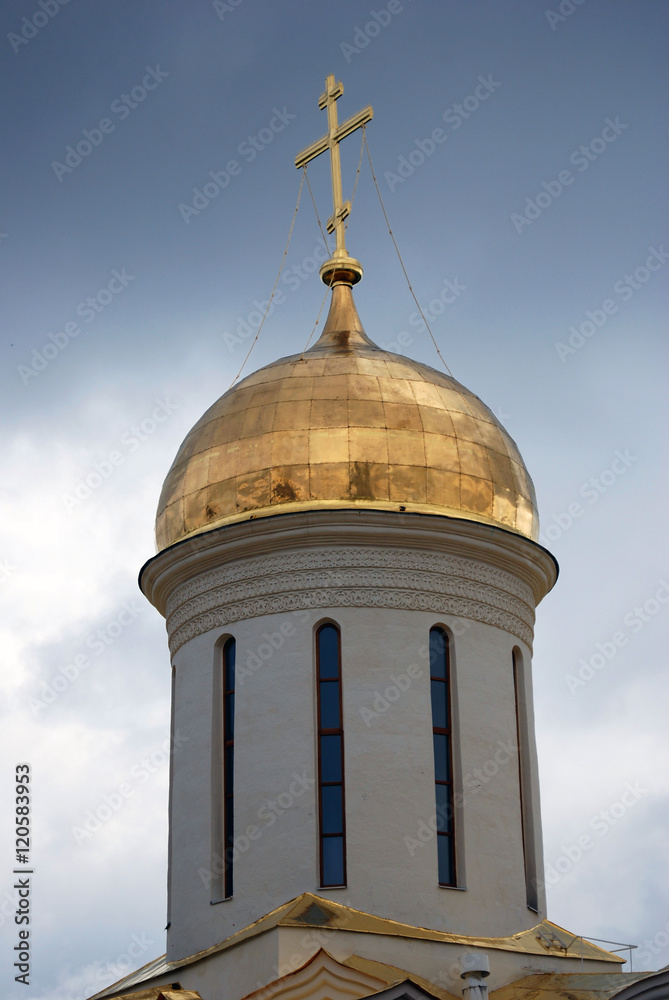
331 141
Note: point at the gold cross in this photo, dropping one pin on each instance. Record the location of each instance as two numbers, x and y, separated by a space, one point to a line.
331 141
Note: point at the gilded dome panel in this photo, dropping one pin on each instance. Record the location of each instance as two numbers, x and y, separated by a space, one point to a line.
345 424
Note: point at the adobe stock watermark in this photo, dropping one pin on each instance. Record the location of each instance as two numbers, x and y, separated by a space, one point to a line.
652 947
6 570
88 310
257 658
454 116
472 782
97 642
121 107
223 7
249 148
268 814
624 289
129 442
309 944
600 824
362 36
581 158
31 26
10 906
111 803
293 277
565 9
452 289
592 490
402 681
634 621
124 963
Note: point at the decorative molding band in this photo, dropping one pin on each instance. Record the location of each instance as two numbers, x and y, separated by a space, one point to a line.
344 559
329 577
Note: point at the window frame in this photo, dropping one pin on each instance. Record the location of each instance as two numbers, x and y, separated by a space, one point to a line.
526 797
446 731
220 883
329 731
228 758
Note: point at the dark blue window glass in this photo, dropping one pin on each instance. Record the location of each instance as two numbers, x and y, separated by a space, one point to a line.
443 765
444 809
330 757
329 704
446 860
438 648
333 809
442 757
229 766
331 769
229 669
328 652
333 861
439 704
230 715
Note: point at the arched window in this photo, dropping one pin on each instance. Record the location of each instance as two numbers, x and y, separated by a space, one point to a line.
524 782
331 806
229 652
173 712
443 753
223 771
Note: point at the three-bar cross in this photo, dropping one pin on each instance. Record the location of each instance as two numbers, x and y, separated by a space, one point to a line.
331 141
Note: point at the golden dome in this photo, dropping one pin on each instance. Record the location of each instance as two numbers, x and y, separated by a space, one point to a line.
346 425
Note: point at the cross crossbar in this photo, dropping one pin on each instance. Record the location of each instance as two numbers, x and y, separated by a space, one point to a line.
331 140
324 143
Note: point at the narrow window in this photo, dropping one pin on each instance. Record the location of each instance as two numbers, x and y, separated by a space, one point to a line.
443 756
229 650
524 782
170 798
330 758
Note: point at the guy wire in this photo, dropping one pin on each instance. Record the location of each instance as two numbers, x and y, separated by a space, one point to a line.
397 249
283 261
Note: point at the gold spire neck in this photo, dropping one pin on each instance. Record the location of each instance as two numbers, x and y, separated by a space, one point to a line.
343 331
340 268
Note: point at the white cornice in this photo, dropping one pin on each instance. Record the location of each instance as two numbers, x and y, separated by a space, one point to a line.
505 550
349 559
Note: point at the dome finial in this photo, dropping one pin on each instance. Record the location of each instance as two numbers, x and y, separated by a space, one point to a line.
340 268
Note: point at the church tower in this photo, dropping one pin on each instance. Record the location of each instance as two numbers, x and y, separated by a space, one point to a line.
349 580
349 570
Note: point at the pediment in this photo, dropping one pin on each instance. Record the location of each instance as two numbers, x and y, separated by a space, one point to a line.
324 978
321 978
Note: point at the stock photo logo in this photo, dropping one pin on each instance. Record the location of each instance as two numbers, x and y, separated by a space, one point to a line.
97 641
121 108
88 310
129 442
582 158
454 116
248 149
32 25
140 772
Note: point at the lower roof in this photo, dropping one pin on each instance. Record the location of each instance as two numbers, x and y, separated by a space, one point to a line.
311 910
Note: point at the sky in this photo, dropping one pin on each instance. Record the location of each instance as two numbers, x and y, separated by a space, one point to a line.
148 189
